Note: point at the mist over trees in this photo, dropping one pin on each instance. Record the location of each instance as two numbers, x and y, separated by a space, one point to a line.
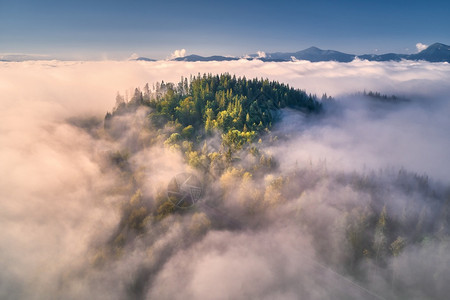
350 201
359 226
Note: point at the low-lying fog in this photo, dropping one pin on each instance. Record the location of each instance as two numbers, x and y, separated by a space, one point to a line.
58 202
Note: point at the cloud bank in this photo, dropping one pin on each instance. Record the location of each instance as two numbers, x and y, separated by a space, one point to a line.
60 199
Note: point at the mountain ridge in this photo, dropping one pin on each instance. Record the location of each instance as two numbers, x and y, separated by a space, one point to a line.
194 57
437 52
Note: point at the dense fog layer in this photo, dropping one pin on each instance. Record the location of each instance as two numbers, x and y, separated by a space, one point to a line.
62 201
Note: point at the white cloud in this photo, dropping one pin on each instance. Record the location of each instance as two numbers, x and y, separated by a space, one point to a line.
178 53
133 56
261 54
421 47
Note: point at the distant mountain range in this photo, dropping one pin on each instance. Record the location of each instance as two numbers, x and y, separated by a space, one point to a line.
202 58
312 54
435 53
144 59
22 57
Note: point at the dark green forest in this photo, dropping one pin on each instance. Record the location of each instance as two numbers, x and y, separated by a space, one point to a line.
237 107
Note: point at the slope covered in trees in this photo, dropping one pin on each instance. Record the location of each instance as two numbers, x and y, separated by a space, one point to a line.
186 114
218 102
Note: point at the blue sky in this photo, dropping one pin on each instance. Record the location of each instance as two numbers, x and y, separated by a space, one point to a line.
116 29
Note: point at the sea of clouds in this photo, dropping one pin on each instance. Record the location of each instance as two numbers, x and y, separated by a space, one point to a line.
56 203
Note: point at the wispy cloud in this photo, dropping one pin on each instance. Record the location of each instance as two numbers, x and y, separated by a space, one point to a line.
133 56
421 47
178 53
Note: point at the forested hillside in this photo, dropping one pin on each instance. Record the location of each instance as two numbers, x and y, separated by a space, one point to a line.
235 110
217 102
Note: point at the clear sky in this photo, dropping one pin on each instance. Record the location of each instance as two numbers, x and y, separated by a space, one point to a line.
115 29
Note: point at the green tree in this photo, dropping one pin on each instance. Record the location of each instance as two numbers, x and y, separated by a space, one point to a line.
186 112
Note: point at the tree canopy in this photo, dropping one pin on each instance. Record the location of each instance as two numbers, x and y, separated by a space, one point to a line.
221 102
